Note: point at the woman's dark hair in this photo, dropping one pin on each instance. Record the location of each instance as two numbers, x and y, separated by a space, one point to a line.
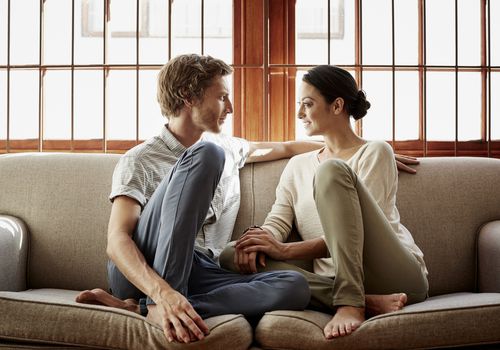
334 82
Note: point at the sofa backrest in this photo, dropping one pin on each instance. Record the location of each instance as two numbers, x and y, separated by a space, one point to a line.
63 199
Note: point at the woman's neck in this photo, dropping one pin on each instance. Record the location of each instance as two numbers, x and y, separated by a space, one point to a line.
341 143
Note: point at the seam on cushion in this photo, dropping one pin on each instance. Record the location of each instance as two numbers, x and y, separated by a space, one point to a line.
476 260
379 317
111 309
388 315
295 317
42 341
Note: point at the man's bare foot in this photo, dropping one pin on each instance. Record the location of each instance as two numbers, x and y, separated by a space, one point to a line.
100 297
346 320
382 304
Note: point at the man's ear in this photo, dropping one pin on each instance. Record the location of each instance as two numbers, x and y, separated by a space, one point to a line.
338 105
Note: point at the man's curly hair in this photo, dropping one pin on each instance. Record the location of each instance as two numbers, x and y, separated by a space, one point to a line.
186 77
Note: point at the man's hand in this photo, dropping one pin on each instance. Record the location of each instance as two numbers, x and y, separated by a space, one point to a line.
403 161
177 317
258 240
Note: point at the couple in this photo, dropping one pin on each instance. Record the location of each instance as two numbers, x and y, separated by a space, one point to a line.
176 196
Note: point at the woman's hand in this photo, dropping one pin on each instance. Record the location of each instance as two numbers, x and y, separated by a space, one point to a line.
258 240
403 161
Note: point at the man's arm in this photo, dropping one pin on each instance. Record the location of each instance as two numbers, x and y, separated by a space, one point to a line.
172 307
265 151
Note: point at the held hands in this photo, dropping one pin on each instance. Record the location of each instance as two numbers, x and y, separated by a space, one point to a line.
256 243
177 317
403 161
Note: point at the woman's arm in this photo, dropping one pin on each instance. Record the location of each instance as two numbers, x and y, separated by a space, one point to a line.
259 240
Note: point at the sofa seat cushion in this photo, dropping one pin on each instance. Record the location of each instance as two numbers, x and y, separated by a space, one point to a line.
52 316
458 319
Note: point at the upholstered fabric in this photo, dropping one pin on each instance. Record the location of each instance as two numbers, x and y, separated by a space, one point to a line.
488 248
450 320
62 198
14 243
51 315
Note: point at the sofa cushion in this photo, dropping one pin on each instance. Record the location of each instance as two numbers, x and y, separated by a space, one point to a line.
52 316
449 320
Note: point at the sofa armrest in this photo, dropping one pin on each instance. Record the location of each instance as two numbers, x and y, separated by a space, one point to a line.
488 252
14 243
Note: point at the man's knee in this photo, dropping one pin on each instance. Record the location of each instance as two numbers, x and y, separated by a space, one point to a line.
297 295
209 155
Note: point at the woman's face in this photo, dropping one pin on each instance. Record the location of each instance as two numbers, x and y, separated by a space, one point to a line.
314 112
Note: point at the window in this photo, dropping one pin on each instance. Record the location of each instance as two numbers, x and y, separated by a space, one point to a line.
82 73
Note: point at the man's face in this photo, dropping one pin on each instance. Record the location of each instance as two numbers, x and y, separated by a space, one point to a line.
209 113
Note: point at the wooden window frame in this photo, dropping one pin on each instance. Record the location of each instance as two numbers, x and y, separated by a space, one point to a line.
266 111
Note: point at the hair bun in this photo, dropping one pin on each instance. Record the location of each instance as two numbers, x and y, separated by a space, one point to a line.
360 106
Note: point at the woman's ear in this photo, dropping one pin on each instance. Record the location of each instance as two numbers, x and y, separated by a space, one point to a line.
338 105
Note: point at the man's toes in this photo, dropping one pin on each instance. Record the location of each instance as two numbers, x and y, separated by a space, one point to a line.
348 328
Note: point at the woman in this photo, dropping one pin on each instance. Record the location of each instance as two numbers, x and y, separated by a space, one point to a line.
342 201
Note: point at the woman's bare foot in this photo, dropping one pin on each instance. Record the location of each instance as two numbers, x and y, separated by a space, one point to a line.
382 304
100 297
346 320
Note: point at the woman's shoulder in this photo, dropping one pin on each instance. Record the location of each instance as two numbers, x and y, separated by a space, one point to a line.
378 147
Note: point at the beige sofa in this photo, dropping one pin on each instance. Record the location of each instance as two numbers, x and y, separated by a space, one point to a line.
54 212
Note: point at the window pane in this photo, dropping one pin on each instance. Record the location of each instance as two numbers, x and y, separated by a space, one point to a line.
120 105
495 106
218 29
407 107
57 32
377 32
153 46
3 32
495 32
186 27
440 32
469 32
440 106
377 124
311 26
3 105
469 106
24 31
406 31
57 105
342 32
88 104
122 32
150 118
89 41
24 104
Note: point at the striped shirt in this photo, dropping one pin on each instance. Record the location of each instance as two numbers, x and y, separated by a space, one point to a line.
141 169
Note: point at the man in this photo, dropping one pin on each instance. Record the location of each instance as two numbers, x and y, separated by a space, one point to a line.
175 200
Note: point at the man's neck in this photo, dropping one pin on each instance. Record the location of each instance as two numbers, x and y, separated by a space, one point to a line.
183 131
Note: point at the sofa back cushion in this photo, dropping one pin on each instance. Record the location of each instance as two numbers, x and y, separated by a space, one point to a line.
443 206
63 199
